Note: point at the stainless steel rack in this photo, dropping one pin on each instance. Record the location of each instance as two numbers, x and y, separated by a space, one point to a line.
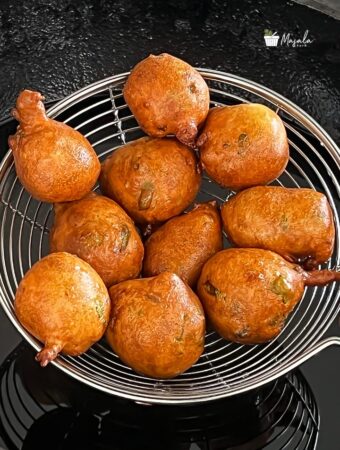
225 369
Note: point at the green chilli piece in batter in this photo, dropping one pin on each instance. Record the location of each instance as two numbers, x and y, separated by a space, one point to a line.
284 223
124 237
146 195
100 310
281 287
243 143
212 290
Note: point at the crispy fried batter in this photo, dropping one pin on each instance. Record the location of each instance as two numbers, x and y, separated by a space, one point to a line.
54 162
243 145
167 96
152 179
248 293
183 244
157 325
64 303
296 223
97 230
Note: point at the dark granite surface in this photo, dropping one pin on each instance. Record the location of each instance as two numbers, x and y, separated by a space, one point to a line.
59 47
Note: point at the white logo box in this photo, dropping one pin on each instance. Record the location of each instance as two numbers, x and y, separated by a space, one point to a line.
271 41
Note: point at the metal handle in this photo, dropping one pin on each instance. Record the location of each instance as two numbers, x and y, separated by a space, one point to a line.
333 340
312 351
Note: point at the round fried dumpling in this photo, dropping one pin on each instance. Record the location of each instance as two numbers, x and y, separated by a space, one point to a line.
296 223
167 96
102 234
63 303
248 293
157 325
243 145
184 243
152 179
54 162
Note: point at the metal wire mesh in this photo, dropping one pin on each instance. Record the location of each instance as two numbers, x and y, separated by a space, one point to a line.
100 113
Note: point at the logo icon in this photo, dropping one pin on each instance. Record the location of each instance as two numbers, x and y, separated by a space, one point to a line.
271 39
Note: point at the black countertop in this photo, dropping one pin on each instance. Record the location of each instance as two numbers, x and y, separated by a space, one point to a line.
59 47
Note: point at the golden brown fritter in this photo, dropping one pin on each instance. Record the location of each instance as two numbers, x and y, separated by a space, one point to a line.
97 230
243 145
167 96
152 179
157 325
64 303
54 162
248 293
184 243
296 223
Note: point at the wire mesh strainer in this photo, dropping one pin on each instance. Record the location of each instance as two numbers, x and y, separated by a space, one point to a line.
100 113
